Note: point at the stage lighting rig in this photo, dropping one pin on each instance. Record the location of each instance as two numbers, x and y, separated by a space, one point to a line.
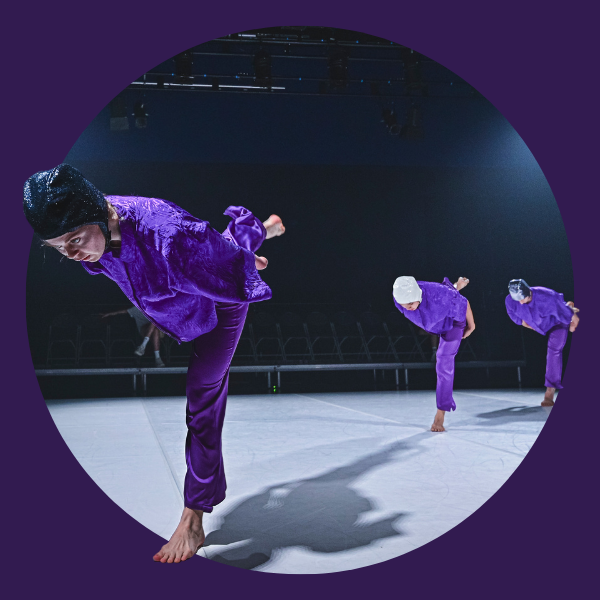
140 114
183 67
118 114
338 68
412 129
389 118
262 69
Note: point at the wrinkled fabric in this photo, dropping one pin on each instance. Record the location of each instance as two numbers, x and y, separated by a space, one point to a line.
441 306
444 365
546 310
207 385
208 381
557 338
174 267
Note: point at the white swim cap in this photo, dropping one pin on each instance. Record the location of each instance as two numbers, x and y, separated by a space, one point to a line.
406 290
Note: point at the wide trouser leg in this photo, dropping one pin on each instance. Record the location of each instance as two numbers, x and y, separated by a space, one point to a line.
446 353
208 379
557 338
207 383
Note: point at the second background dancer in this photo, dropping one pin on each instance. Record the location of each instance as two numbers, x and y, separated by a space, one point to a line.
440 309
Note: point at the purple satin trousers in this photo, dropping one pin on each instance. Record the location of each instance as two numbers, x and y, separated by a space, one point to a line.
557 338
207 383
446 353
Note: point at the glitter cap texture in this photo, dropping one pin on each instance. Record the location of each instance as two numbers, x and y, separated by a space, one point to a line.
61 200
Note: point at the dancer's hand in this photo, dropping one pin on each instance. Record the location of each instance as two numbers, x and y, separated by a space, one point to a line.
526 325
261 262
468 331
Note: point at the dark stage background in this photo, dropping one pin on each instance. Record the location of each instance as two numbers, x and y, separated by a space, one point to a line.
361 208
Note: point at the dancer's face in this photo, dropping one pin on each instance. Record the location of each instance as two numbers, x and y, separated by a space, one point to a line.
86 243
411 306
526 300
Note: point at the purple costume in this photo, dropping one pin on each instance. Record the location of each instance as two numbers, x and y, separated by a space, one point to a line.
194 284
548 314
442 311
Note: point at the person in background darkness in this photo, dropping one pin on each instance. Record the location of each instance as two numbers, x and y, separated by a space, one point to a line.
546 312
190 280
147 330
440 309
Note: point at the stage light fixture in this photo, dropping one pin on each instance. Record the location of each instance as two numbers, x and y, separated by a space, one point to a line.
413 76
118 114
389 118
412 130
262 68
183 67
140 114
338 68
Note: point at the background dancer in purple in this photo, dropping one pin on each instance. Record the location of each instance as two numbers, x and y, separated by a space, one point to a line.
190 281
440 309
546 312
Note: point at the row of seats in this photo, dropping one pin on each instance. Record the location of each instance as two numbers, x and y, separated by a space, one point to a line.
266 339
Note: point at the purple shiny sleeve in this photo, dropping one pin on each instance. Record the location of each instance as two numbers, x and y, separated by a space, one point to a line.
244 229
206 263
510 309
564 314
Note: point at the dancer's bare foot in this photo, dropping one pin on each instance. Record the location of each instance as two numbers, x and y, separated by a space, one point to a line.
261 262
274 226
461 283
438 422
549 397
186 541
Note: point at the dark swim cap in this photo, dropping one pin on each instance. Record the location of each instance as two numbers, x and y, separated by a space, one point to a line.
518 289
61 200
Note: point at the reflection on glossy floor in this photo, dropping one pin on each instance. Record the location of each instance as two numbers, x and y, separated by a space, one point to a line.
316 482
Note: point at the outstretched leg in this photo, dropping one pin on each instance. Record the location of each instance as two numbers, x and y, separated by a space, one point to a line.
447 351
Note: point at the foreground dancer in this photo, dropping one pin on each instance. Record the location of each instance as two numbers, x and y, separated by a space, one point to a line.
439 309
190 281
546 312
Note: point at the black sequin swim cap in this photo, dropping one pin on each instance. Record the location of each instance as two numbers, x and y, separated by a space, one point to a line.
62 200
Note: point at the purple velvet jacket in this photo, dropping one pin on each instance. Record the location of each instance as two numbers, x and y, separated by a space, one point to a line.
441 306
174 267
546 310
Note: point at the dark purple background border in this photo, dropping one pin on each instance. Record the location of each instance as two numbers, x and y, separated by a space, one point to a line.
537 536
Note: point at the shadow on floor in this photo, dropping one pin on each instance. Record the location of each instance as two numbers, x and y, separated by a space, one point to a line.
321 514
515 413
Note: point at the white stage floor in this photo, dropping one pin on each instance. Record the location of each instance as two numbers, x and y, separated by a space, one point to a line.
316 482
